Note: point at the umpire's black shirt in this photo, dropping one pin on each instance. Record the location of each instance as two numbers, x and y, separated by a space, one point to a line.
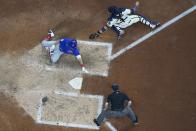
117 100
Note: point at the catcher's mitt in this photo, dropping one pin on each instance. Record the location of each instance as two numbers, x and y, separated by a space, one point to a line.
93 36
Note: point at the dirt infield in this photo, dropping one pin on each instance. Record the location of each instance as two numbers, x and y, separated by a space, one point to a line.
159 75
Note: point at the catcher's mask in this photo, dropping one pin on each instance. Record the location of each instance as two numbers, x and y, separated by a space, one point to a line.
114 10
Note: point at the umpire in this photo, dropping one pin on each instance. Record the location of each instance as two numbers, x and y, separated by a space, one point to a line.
117 108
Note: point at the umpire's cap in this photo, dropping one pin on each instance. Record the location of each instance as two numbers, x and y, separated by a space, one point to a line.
115 87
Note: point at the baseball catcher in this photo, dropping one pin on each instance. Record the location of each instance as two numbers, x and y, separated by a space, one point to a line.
60 47
121 18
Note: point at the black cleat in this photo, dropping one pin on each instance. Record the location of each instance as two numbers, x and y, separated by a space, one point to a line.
136 122
155 25
96 122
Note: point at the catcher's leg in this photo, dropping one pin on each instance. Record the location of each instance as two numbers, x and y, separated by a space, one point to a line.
148 22
118 30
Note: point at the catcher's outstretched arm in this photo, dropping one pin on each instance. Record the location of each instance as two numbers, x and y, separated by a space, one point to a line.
99 32
103 29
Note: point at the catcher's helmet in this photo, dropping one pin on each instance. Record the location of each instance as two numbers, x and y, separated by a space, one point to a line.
113 9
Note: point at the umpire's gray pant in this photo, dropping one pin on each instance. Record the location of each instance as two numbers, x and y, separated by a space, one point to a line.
109 113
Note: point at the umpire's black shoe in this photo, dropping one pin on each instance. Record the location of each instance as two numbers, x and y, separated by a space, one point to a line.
96 122
136 121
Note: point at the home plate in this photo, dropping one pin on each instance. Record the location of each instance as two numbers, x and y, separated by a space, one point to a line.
76 83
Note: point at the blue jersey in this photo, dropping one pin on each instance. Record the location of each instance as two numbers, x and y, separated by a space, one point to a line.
69 46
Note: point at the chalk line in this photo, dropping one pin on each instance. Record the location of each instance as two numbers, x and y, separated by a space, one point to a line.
110 126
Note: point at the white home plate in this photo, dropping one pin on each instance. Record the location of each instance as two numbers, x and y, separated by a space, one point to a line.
76 83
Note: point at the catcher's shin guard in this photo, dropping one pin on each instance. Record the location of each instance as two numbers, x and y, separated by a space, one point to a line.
148 22
119 31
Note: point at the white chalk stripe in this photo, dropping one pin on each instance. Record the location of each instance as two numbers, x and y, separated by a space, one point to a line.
109 58
59 123
78 95
100 105
66 93
52 69
109 53
110 126
39 111
107 44
153 32
105 74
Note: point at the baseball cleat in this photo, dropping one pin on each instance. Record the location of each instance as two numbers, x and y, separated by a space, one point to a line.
155 25
122 32
96 122
51 33
119 37
136 122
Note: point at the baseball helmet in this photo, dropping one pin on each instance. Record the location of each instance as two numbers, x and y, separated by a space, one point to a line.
113 9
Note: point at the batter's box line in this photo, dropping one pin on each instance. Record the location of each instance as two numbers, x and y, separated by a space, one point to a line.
68 124
109 53
59 123
105 44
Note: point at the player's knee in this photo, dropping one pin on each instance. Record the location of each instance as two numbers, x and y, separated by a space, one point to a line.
53 60
78 57
44 42
116 30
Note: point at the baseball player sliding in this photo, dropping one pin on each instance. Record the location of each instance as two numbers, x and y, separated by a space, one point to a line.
121 18
60 47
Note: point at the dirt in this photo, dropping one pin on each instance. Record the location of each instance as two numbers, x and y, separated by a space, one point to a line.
158 75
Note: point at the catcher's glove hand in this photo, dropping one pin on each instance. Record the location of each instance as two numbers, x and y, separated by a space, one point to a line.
93 36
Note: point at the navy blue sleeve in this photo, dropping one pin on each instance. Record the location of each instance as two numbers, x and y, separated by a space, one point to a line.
126 97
